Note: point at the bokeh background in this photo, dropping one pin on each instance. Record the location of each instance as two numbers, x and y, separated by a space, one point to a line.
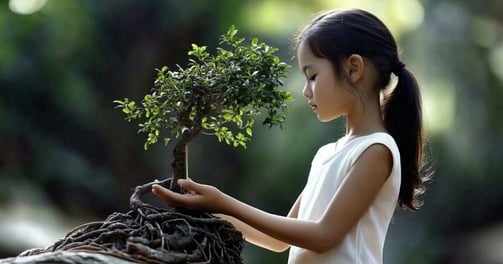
68 157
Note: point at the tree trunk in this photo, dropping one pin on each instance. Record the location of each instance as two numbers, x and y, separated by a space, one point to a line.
180 152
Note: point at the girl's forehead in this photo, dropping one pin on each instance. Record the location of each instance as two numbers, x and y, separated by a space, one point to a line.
305 57
304 52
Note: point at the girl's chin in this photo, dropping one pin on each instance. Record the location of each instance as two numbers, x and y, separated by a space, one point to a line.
326 119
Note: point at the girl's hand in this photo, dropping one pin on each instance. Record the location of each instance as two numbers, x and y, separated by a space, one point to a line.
199 196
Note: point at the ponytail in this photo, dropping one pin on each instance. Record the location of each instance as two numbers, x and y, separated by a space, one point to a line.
403 120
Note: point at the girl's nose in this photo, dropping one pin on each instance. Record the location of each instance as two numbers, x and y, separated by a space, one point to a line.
307 92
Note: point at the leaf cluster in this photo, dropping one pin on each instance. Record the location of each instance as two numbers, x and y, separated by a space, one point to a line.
218 94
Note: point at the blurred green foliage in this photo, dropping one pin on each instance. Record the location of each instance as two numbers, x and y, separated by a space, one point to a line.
64 148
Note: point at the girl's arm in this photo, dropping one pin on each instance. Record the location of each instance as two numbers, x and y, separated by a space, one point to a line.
258 238
347 206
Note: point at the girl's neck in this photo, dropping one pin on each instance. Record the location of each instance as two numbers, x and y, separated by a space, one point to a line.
365 119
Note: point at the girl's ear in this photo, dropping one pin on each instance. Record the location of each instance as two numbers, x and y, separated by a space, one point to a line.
355 66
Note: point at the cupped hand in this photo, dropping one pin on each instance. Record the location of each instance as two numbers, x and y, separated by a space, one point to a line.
199 196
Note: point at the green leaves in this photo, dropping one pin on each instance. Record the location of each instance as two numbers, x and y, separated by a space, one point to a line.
199 52
219 94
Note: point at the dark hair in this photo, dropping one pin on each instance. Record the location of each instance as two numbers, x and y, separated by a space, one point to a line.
337 34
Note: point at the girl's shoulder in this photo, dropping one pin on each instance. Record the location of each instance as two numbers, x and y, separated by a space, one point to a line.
358 145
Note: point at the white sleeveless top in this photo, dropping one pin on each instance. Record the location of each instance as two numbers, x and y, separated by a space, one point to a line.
365 241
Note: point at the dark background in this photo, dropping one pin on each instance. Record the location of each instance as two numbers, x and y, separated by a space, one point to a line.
68 157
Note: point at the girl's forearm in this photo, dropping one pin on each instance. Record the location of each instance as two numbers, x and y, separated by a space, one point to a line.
291 231
259 238
254 236
306 234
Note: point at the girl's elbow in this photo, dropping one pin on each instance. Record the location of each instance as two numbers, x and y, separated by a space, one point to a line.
324 243
321 248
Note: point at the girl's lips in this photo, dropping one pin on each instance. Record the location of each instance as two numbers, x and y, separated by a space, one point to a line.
313 106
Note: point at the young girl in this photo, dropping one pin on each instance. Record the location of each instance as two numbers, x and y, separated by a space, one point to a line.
354 185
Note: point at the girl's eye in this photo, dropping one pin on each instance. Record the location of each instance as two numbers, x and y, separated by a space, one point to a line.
312 78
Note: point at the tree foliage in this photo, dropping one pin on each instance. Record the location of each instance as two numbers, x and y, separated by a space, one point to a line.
217 95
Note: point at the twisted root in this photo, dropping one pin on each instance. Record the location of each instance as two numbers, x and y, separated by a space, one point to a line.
150 234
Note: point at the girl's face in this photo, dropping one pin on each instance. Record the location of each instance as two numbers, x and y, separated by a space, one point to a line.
328 95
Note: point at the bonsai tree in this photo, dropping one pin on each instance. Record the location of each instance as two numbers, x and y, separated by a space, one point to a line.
217 95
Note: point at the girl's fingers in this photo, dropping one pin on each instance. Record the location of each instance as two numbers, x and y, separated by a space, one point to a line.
190 186
170 197
159 190
190 201
199 196
165 193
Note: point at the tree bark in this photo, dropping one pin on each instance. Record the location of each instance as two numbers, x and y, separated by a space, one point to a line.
179 163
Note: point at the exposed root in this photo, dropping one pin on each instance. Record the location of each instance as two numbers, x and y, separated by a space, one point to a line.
150 234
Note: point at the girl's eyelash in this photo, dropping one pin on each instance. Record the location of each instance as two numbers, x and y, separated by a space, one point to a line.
313 77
